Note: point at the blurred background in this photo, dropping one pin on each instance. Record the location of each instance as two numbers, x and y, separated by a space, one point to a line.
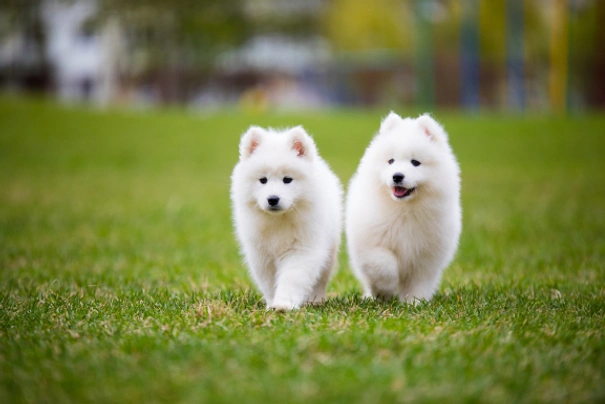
512 55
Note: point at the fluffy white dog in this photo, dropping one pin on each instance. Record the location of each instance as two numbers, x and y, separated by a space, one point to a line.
287 208
403 215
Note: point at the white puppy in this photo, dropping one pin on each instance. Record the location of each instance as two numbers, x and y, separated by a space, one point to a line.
403 215
287 208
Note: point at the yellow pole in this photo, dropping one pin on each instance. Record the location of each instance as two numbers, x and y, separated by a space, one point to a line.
559 46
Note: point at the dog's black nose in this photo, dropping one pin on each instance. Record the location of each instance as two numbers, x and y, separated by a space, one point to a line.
397 178
273 200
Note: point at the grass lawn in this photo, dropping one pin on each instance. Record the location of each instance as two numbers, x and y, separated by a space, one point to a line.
120 279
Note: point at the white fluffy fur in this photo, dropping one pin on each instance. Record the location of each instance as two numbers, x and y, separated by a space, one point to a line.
400 246
290 251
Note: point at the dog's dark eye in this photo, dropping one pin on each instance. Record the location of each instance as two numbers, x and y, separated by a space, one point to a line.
263 180
287 180
391 161
415 163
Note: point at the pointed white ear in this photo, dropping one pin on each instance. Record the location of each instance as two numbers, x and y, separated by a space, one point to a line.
390 121
302 143
431 128
250 141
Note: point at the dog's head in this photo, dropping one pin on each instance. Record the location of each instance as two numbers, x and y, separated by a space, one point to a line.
276 167
410 156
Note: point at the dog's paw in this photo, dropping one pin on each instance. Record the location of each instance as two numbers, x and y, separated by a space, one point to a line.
282 305
316 300
412 300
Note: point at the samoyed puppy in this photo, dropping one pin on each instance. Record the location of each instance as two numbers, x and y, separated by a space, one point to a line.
403 215
287 209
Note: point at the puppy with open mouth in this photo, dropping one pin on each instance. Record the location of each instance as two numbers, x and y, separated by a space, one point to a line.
403 214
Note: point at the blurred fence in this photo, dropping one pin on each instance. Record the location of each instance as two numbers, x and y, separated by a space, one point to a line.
473 54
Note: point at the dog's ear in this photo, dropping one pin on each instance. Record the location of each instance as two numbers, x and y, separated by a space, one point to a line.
302 143
431 128
389 122
250 141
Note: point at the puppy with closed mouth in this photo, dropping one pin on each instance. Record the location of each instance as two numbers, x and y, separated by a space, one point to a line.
287 211
403 214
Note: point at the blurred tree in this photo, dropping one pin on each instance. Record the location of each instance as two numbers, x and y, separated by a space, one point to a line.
515 77
469 54
559 47
22 19
492 48
352 25
188 31
447 26
447 31
492 30
597 88
284 17
424 55
175 43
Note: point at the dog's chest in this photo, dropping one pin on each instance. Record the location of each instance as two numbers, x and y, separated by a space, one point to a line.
275 239
414 238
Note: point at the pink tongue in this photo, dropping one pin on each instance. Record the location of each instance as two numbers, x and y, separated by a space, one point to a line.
399 191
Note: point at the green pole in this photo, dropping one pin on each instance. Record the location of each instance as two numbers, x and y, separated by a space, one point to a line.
424 63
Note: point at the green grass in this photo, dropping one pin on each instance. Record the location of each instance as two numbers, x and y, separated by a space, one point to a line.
120 279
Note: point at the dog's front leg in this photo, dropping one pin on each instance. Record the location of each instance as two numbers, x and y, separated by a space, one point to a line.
379 267
296 277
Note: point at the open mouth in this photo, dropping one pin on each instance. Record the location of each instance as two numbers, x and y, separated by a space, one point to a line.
401 192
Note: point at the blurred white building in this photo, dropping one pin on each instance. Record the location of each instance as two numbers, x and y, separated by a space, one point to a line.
85 59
